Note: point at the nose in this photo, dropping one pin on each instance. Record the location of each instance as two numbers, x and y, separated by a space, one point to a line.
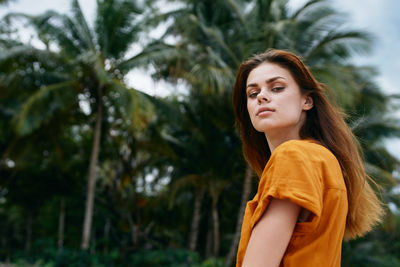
263 96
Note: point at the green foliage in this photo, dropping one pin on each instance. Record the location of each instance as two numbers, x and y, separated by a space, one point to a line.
367 253
212 262
44 104
159 154
166 257
51 257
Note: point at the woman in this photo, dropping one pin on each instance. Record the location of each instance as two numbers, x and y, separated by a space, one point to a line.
313 190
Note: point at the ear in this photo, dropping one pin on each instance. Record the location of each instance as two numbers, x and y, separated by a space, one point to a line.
308 103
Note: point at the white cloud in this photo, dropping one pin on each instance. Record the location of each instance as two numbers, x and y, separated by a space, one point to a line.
381 19
39 6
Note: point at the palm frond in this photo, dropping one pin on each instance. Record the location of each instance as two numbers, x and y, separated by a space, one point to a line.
376 127
238 9
152 53
215 34
135 106
43 105
81 26
306 6
341 44
117 26
381 176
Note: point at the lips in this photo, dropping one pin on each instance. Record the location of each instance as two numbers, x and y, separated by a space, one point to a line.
264 110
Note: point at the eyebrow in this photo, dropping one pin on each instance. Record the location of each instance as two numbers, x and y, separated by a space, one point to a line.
270 80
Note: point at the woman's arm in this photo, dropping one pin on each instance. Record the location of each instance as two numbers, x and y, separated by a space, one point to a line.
271 235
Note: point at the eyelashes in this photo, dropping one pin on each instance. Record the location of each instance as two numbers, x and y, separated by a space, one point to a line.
277 88
254 93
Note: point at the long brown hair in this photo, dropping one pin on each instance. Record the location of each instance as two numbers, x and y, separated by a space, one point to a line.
324 123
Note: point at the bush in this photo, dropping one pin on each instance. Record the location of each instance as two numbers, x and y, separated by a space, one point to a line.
165 258
51 257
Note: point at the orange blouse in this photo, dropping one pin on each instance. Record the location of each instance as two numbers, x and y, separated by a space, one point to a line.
309 175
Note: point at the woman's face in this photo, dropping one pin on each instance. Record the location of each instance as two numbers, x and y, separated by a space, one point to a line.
275 102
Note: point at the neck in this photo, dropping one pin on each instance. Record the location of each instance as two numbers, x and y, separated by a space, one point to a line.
275 139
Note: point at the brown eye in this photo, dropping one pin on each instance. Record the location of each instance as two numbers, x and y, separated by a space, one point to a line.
277 89
253 94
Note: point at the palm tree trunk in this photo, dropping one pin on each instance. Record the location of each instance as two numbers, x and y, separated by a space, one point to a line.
106 237
17 232
87 224
215 218
93 241
134 230
61 223
209 242
194 229
245 197
3 241
28 240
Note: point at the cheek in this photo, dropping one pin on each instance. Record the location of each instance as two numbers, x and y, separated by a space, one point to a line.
249 107
252 109
295 110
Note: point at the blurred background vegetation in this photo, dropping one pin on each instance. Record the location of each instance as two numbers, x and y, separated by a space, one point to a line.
94 172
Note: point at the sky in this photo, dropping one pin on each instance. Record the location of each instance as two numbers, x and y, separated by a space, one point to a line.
382 20
379 17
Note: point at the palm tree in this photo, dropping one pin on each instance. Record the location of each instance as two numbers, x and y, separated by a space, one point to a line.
4 2
89 70
200 137
213 37
372 122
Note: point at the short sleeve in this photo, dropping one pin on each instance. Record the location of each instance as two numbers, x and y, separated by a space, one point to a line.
290 174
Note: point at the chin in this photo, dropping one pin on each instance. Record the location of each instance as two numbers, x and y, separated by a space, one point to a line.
272 128
265 127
